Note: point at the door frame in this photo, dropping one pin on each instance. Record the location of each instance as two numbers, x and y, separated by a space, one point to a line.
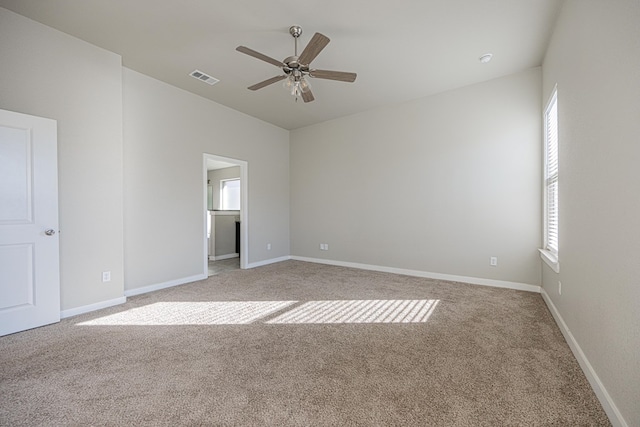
244 208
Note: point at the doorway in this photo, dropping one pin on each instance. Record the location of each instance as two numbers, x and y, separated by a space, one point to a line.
213 211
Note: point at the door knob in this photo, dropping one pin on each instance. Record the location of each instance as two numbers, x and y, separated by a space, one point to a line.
50 232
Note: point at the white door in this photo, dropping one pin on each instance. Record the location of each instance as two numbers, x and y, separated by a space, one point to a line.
29 251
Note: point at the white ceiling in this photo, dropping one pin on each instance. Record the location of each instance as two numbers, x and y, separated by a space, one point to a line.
401 50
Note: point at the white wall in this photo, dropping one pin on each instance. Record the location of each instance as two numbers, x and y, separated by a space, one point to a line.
47 73
594 57
439 184
166 132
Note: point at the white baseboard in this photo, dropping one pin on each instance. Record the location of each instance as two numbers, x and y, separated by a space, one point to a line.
227 256
426 274
601 392
164 285
92 307
268 261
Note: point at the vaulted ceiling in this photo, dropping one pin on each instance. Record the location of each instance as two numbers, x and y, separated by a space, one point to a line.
401 50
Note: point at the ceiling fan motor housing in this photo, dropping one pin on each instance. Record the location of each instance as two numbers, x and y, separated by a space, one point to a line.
292 62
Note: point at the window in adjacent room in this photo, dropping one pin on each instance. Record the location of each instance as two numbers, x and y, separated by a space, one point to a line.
550 250
230 194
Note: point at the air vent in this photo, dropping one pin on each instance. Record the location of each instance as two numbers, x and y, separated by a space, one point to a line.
204 77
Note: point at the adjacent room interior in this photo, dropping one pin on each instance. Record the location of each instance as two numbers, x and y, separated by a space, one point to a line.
224 212
439 227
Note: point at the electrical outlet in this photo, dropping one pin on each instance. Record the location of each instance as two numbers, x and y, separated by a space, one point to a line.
494 261
559 287
324 246
268 246
106 276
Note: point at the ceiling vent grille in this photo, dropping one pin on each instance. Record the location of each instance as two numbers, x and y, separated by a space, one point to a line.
196 74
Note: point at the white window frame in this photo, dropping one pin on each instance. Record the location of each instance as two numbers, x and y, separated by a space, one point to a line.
222 184
549 252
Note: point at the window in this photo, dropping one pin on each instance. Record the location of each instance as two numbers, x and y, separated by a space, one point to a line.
230 194
551 179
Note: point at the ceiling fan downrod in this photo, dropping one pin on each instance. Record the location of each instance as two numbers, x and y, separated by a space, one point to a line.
296 32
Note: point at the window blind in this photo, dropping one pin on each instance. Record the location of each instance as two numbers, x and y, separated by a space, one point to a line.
551 175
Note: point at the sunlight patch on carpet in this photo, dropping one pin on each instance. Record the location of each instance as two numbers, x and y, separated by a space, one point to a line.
246 312
193 313
359 311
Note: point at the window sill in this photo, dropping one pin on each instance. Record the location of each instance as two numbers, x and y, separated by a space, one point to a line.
550 259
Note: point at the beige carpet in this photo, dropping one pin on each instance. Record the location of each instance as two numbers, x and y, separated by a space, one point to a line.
300 344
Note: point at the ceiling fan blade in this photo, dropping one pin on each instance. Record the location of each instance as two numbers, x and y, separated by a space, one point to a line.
333 75
315 46
260 56
267 82
307 96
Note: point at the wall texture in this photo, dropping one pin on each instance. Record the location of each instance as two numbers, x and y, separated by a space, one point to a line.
166 132
438 185
47 73
594 57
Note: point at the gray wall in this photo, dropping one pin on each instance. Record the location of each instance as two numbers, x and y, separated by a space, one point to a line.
594 57
166 132
438 185
44 72
215 176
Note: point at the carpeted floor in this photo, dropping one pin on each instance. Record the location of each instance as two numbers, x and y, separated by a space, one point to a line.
217 267
301 344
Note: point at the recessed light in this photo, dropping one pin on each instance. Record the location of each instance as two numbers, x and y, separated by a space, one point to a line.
485 58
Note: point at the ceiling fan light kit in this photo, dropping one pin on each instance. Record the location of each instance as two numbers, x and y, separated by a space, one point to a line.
297 68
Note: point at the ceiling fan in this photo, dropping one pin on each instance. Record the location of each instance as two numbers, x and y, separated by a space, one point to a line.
297 68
